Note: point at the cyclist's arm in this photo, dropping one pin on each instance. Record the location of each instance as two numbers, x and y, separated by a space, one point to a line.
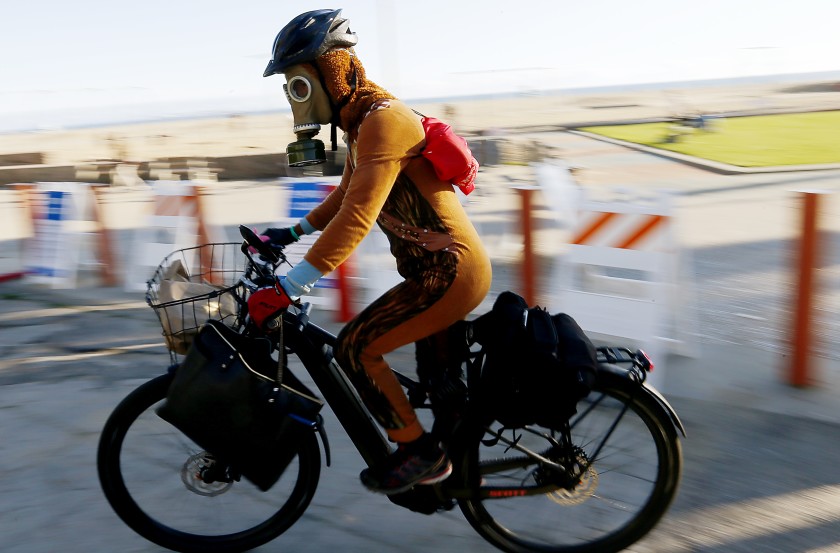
388 140
321 215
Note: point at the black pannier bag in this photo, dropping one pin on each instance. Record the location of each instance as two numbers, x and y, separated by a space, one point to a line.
536 366
229 397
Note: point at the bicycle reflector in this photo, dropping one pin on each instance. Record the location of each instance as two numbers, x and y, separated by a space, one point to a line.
644 360
266 304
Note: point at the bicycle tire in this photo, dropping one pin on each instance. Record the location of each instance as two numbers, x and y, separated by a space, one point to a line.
140 461
635 475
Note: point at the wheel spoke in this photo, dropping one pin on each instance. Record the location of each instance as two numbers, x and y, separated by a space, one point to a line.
618 497
154 477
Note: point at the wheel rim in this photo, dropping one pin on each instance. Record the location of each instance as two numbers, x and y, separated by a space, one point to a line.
620 496
142 469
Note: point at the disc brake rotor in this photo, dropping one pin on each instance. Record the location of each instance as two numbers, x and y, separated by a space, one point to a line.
583 490
191 476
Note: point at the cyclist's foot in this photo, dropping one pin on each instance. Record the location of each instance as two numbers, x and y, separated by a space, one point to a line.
415 463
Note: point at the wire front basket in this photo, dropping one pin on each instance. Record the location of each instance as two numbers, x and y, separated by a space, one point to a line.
193 285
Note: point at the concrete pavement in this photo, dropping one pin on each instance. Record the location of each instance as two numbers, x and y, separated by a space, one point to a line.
757 477
760 458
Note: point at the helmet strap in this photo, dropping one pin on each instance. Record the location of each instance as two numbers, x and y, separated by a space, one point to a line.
340 106
336 108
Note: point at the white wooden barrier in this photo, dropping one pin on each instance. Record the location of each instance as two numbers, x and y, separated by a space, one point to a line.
53 256
621 278
68 233
173 223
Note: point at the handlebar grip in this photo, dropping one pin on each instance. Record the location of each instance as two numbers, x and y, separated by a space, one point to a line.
303 317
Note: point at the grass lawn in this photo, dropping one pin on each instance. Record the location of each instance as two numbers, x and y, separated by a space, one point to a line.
758 141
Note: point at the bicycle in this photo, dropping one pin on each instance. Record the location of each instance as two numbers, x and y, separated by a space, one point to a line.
598 484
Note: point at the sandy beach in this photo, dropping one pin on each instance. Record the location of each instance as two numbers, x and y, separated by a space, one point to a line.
242 134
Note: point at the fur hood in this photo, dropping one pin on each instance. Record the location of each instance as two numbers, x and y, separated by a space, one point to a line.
337 67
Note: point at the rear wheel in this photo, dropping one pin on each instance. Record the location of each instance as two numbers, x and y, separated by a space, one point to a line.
628 461
150 471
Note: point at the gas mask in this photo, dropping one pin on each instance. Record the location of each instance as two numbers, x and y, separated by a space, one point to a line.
310 109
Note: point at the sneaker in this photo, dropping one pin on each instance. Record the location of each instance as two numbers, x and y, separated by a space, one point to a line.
411 465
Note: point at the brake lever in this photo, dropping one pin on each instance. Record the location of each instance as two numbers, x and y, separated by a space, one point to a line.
253 240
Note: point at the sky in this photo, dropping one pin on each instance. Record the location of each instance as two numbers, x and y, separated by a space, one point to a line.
65 63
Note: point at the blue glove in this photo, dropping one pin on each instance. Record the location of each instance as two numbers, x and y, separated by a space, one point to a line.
300 279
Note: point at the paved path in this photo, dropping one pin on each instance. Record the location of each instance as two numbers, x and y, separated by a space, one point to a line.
760 458
754 480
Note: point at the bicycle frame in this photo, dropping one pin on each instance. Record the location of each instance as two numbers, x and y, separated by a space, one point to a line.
313 345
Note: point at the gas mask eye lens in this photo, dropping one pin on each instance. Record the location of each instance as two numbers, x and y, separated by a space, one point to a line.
301 90
298 89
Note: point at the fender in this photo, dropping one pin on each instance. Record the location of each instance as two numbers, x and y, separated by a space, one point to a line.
619 376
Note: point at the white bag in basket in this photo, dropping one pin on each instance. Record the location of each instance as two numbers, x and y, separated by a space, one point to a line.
181 321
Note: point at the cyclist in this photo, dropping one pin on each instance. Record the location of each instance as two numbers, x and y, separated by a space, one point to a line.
386 181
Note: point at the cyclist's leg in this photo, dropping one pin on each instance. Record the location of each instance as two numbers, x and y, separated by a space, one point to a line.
439 369
405 314
430 354
401 316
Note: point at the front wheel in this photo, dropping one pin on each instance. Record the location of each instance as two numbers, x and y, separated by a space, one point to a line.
627 460
150 473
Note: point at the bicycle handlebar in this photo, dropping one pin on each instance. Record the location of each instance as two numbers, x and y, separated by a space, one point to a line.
254 241
275 258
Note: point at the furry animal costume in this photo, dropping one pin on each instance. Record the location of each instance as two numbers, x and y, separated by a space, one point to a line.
338 68
438 252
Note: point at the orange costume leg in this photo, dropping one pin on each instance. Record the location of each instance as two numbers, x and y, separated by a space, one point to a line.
405 314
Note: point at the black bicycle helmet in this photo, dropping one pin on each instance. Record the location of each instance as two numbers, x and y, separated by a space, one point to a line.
307 36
